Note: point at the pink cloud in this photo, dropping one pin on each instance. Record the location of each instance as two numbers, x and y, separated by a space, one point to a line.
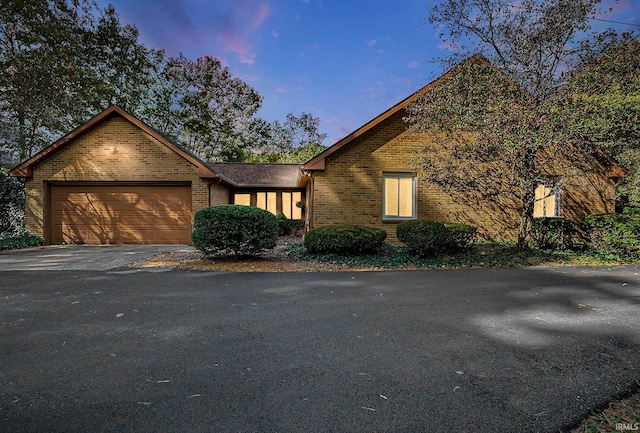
344 131
412 65
247 59
235 23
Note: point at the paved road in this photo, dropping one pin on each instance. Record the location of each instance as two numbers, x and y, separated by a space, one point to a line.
503 350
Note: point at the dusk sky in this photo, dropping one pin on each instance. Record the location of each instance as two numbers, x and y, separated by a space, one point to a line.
344 61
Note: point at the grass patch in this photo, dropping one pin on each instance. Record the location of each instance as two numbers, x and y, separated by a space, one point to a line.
620 416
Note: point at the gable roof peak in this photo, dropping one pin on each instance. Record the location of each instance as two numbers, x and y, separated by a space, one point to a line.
318 162
25 169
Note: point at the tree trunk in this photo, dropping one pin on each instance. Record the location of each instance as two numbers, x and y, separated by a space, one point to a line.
526 217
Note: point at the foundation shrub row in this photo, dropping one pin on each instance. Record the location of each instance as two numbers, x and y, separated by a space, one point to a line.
232 230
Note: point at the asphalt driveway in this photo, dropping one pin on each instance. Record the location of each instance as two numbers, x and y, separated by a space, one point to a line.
489 350
79 257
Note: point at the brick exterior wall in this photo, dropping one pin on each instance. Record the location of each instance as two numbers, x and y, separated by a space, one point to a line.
115 150
219 194
349 190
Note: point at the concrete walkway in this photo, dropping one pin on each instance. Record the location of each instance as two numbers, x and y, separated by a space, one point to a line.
80 257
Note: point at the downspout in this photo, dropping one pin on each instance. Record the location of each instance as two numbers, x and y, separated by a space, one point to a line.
310 200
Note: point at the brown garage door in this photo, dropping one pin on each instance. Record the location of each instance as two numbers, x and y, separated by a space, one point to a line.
124 214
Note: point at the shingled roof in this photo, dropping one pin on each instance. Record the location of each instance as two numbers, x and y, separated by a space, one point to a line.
261 175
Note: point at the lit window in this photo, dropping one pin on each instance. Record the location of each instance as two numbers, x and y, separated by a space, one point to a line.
399 196
242 199
289 205
266 201
547 201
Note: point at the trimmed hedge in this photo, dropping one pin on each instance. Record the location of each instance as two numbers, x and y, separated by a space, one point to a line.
288 226
234 230
554 233
23 241
429 238
344 239
614 233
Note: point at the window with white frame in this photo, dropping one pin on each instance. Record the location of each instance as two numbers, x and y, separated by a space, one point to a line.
398 196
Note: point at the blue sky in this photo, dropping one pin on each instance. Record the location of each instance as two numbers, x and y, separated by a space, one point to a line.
344 61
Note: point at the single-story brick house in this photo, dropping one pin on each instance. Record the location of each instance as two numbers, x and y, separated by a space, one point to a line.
116 180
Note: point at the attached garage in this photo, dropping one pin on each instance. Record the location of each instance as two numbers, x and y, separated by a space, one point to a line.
115 180
120 214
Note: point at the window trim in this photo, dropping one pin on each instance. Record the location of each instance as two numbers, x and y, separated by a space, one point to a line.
414 196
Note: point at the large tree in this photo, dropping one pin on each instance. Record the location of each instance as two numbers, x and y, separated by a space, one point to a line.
296 140
41 75
601 104
61 62
499 114
210 112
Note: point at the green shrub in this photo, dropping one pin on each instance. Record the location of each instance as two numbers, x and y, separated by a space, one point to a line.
344 239
553 233
614 233
288 226
631 210
23 241
428 238
234 230
462 235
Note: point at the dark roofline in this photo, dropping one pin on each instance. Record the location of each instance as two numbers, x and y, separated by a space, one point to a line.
301 182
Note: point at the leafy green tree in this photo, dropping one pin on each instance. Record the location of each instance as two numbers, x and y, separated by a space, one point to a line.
213 112
42 77
602 105
296 132
295 156
498 114
64 61
296 140
123 70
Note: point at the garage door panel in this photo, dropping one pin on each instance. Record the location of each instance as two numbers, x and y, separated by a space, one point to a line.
135 203
179 204
173 218
106 207
99 214
132 218
139 236
73 204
